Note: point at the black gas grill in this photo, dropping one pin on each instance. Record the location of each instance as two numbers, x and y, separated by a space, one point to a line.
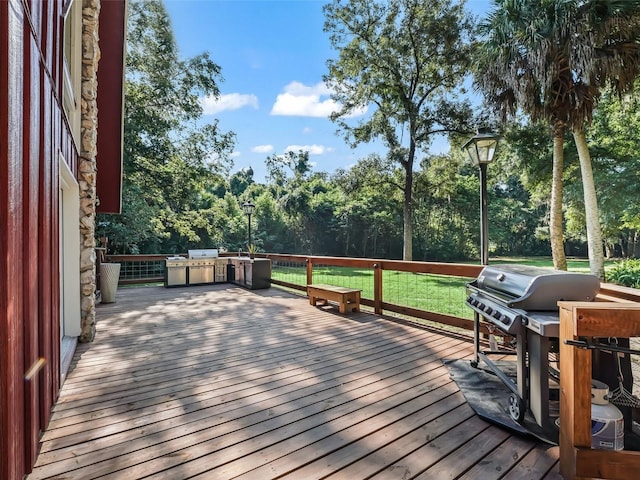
522 301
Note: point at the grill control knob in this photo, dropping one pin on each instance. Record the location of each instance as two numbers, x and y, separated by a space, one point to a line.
497 315
504 319
488 310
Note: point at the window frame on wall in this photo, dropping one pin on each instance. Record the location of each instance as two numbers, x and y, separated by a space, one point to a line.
72 65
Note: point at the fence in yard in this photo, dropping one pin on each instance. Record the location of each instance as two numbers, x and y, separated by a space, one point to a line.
138 269
429 291
426 290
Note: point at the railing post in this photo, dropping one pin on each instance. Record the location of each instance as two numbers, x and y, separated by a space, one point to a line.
309 271
377 287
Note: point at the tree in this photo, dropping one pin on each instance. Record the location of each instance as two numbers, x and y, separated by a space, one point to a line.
240 181
514 57
615 145
408 60
167 154
446 198
525 153
550 58
369 210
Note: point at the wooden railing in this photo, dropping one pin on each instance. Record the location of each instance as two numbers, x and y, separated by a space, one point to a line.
385 283
380 279
392 286
139 269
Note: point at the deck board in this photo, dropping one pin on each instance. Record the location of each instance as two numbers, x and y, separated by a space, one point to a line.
217 382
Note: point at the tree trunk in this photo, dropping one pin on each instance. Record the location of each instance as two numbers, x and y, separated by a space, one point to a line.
594 233
407 251
556 231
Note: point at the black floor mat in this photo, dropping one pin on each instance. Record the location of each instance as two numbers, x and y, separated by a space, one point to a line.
489 398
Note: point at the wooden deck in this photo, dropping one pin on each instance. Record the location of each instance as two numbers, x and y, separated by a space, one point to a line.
218 382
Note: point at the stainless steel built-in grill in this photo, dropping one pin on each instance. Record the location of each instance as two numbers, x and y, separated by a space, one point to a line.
201 267
175 272
521 301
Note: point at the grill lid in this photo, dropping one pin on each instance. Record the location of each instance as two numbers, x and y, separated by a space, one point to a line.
203 253
535 288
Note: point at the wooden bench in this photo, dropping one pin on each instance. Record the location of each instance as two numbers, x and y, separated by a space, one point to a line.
346 297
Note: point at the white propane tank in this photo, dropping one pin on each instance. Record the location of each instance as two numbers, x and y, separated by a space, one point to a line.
607 422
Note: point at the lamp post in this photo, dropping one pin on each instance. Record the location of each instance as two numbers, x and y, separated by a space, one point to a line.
481 149
248 207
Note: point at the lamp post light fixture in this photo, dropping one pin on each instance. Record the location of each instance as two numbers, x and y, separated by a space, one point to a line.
248 207
481 148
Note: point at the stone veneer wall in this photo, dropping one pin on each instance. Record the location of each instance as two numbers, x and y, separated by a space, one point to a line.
87 166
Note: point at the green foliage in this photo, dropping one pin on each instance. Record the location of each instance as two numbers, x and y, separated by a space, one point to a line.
240 181
369 212
625 272
407 61
178 193
168 164
137 229
615 145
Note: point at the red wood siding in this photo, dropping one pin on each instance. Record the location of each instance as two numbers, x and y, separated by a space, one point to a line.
31 171
33 136
11 332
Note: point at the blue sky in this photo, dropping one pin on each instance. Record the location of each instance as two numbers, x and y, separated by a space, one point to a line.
273 55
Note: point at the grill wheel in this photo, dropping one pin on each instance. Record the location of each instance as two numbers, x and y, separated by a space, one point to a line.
516 408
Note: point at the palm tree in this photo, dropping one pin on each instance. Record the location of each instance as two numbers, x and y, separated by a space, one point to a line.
550 59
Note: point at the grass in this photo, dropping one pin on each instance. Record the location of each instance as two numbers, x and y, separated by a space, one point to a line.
573 264
434 293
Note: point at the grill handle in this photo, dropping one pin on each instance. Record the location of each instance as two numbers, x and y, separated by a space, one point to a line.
492 294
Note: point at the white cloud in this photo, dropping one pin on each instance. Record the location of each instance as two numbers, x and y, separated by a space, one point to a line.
262 149
230 101
306 130
312 149
306 101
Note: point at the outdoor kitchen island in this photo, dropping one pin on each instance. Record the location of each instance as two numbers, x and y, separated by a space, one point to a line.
206 267
251 273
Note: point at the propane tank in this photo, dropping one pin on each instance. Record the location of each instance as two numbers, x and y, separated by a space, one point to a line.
607 422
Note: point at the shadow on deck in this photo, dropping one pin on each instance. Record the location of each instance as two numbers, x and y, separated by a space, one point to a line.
218 382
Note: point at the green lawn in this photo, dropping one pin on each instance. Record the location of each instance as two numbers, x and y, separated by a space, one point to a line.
573 264
435 293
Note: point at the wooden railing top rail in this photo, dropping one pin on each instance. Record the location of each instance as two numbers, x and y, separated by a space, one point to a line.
439 268
455 269
136 258
617 293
